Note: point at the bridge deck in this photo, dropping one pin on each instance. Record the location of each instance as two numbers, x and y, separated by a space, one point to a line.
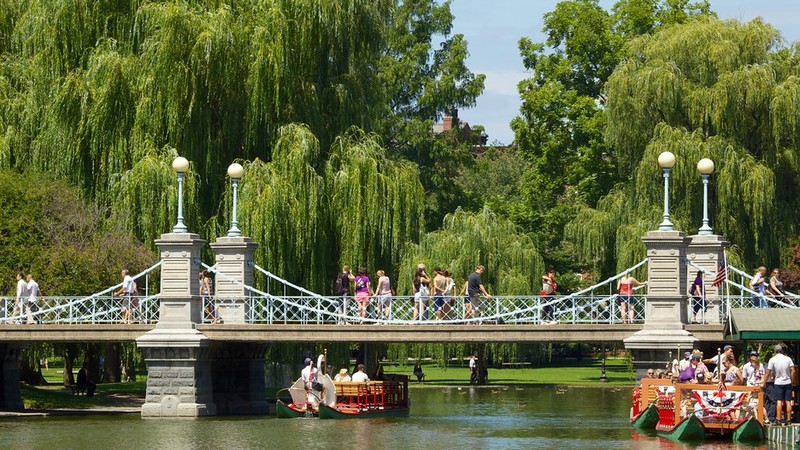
583 333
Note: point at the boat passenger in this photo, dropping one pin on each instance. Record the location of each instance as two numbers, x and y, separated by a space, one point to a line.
342 376
753 371
309 374
360 376
732 374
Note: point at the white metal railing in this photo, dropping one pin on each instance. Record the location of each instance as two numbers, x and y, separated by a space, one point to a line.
746 277
81 310
567 309
100 307
308 307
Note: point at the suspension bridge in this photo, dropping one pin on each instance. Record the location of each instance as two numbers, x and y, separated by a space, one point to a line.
295 314
197 366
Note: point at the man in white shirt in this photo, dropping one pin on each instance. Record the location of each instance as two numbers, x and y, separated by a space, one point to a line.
32 307
685 362
782 367
727 353
473 369
22 296
308 373
127 290
360 376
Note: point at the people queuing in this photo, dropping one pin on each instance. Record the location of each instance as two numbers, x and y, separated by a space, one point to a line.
777 378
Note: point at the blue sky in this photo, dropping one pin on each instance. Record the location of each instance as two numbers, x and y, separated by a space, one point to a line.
493 28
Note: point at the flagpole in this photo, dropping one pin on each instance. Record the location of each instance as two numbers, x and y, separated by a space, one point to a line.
721 376
726 291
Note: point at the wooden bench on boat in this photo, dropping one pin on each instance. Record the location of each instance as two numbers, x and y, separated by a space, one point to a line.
374 394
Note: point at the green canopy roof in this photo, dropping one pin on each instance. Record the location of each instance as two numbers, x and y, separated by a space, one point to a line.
763 324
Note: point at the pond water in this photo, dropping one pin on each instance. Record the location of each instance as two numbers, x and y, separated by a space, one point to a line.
441 418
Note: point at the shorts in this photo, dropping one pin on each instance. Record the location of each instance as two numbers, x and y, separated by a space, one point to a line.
384 299
475 299
783 392
419 298
362 297
625 298
438 302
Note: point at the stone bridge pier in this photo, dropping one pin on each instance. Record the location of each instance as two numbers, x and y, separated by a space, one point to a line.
664 336
188 374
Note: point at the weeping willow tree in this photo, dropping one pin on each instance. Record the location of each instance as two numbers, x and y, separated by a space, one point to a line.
708 89
376 203
361 210
88 87
283 208
512 260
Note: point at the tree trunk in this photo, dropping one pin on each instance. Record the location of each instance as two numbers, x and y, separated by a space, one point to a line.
111 370
69 379
93 359
29 374
483 371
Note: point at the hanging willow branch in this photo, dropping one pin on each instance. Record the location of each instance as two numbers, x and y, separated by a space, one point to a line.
705 89
512 260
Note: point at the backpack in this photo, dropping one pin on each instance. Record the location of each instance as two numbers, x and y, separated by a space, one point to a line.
341 284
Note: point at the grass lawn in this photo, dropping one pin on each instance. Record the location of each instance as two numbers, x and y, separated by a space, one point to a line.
58 396
585 372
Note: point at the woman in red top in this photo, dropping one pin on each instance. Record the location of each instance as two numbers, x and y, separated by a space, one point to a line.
625 299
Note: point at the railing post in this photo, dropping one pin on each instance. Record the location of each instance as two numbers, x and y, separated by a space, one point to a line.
666 299
179 371
234 258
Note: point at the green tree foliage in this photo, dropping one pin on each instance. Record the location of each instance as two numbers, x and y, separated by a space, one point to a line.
563 120
707 89
46 230
513 263
369 204
421 82
107 93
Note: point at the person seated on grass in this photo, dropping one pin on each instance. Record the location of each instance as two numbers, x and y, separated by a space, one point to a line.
418 372
83 380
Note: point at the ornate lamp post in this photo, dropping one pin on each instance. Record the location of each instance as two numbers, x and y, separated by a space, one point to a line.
180 165
706 167
235 171
666 160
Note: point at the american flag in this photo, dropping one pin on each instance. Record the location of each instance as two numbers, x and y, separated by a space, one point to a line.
721 276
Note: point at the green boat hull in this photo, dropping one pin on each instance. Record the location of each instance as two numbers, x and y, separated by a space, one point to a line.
326 412
689 430
284 411
749 431
647 419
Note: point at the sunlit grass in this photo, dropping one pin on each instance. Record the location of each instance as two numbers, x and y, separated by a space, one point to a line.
60 397
585 372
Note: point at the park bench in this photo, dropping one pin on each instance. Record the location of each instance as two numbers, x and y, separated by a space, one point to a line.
78 390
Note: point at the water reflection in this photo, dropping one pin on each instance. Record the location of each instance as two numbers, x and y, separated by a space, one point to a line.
452 418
